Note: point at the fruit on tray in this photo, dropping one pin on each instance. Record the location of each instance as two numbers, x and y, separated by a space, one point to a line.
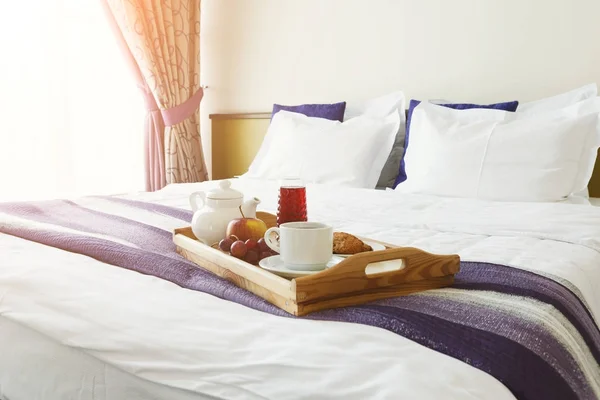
225 244
262 245
251 251
238 249
247 228
251 244
251 257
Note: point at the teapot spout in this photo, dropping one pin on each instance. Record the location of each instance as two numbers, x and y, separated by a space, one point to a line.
249 207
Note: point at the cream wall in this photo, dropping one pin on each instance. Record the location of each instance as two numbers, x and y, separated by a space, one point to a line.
257 52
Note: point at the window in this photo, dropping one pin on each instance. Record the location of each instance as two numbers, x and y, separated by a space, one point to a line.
71 115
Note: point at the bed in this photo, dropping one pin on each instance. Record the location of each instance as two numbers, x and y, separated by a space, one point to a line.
87 329
96 304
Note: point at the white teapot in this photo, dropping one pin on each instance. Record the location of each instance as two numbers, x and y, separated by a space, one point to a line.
214 210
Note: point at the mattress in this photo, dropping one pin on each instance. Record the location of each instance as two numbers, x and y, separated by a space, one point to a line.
156 332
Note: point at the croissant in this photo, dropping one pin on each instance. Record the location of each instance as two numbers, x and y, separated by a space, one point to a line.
345 243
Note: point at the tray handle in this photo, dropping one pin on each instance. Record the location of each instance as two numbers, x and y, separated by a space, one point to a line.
350 275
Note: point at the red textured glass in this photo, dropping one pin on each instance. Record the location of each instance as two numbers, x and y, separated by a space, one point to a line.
292 202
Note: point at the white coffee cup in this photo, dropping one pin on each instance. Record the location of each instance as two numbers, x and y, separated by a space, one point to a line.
303 246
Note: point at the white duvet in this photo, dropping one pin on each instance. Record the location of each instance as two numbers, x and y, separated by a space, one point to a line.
161 333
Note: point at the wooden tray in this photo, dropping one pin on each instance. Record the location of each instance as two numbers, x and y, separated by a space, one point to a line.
348 283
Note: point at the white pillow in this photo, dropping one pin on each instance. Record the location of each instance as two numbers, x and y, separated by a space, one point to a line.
318 150
560 101
380 107
498 155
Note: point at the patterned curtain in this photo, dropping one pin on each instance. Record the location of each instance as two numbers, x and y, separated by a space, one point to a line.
162 38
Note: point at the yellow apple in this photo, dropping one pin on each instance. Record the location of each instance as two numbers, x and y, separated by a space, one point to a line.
246 228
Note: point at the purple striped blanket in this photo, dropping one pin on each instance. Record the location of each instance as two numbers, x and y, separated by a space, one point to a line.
531 332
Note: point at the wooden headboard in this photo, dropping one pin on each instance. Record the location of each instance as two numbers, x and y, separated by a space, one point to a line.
236 139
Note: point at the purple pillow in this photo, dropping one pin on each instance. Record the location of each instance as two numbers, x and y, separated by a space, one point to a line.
334 112
507 106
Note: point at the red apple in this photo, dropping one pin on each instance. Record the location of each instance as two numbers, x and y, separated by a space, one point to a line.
246 228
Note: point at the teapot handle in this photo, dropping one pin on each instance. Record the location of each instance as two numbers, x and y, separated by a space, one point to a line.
194 200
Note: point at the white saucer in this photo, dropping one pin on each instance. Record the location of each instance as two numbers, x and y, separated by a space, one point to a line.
374 245
276 266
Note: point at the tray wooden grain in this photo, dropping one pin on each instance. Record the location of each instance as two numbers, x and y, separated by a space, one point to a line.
348 283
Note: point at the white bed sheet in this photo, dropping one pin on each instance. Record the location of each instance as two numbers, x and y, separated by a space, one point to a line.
35 367
158 332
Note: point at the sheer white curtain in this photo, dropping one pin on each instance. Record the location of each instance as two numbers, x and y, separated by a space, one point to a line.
71 117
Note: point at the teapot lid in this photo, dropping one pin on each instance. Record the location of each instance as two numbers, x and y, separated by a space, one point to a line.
224 192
